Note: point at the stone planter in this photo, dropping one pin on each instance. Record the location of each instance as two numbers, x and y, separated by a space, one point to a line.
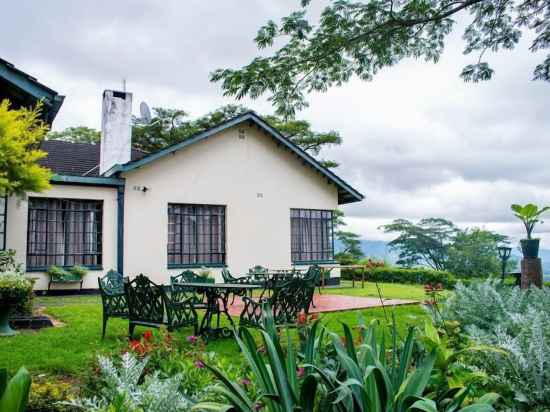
5 329
530 248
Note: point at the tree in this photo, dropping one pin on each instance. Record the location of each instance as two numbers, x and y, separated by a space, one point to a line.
474 253
21 132
170 126
79 134
360 38
351 244
424 243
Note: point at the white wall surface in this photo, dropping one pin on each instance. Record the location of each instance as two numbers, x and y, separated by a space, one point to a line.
16 234
258 182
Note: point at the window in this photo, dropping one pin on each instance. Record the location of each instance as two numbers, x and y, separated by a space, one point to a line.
3 213
64 232
311 235
196 235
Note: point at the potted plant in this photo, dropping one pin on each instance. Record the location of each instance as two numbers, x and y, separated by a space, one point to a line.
529 215
14 288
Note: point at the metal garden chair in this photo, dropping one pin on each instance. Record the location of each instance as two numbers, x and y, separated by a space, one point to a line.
113 297
180 292
149 305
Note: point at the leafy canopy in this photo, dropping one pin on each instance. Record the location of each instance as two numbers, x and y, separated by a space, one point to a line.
439 244
360 38
21 132
79 134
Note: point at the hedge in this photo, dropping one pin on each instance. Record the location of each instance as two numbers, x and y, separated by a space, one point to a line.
419 276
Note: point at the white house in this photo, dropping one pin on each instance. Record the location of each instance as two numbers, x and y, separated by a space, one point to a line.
234 196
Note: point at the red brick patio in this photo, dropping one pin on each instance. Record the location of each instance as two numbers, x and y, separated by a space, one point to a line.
335 303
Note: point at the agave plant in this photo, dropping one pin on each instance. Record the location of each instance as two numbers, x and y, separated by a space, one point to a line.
276 374
367 377
14 393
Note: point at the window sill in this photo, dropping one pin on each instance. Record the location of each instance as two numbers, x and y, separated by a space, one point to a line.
45 268
196 265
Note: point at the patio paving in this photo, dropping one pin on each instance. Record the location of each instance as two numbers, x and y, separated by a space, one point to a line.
336 303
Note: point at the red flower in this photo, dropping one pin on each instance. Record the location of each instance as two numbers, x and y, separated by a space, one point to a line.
137 346
302 318
148 335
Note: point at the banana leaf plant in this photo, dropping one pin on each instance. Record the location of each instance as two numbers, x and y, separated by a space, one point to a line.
14 393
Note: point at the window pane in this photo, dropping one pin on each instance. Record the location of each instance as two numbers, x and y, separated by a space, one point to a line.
64 232
311 235
196 234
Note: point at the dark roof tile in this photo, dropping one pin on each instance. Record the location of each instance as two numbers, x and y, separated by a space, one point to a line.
75 159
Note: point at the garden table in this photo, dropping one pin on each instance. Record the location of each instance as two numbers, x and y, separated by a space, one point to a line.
216 293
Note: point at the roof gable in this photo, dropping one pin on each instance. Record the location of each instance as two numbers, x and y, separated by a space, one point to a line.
346 193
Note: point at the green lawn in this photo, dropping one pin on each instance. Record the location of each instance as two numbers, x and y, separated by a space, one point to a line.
69 349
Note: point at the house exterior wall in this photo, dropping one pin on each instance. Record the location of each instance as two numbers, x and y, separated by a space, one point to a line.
258 182
17 219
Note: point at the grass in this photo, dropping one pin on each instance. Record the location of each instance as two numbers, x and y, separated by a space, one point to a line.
70 349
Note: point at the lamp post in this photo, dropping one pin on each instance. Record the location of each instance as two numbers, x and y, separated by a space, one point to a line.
504 253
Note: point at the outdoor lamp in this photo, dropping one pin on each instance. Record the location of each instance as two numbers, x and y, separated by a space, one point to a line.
504 253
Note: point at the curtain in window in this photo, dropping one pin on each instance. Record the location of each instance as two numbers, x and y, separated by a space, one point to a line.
311 235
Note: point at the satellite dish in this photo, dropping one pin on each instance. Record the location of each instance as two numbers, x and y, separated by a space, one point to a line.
144 112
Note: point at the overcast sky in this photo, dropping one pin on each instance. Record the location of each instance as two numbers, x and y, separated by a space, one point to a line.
418 141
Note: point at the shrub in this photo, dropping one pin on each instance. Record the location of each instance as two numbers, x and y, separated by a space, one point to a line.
57 273
401 275
517 321
8 262
79 271
14 288
47 395
125 388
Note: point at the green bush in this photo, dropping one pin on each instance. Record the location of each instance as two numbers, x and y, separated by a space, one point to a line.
46 395
419 276
8 262
57 273
79 271
14 288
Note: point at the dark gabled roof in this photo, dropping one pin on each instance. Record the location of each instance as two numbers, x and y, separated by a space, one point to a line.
75 159
24 90
346 193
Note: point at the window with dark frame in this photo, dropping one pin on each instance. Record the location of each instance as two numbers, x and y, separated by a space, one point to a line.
64 232
3 215
196 235
311 233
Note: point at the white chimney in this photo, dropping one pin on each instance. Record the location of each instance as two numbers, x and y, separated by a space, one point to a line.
116 129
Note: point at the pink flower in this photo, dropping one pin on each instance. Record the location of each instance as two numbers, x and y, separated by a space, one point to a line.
300 372
199 364
192 339
245 381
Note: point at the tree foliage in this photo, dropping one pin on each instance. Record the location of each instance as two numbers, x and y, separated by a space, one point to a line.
360 38
21 132
169 126
424 243
351 247
79 134
439 244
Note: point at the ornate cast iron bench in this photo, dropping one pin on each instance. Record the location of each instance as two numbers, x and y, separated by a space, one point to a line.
113 297
289 298
149 305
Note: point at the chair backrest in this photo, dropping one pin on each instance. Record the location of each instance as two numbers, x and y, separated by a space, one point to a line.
258 270
227 276
313 275
289 299
146 300
180 292
112 282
